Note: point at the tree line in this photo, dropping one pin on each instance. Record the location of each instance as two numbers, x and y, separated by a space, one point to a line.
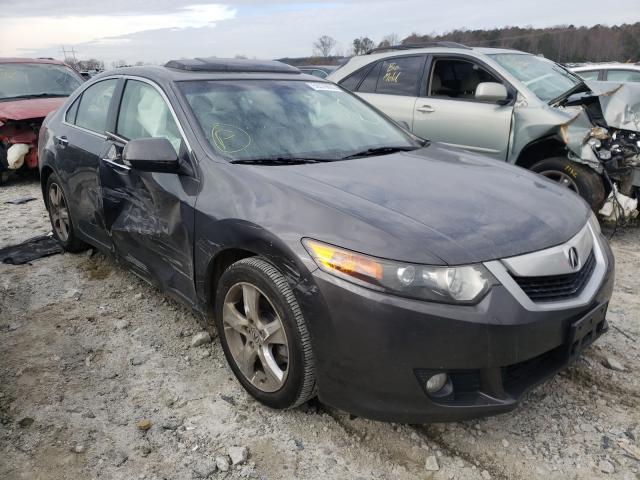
563 43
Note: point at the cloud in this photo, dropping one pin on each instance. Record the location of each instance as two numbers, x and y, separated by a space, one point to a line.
18 33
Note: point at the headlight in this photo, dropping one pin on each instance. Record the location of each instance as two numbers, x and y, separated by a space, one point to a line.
462 284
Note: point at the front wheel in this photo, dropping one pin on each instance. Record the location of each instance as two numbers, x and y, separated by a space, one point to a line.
264 335
61 223
579 178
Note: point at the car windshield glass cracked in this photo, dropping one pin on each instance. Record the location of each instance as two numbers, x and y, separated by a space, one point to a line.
262 119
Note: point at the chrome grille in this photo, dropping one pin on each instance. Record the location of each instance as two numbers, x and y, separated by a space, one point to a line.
557 287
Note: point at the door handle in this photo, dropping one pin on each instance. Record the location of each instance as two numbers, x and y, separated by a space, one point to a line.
426 109
61 141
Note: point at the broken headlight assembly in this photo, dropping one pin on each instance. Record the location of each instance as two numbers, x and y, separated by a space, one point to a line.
466 284
616 145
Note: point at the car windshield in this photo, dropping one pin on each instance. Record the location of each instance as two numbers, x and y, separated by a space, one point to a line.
546 79
290 120
25 80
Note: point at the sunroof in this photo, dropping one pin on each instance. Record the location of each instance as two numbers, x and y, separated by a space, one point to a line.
213 64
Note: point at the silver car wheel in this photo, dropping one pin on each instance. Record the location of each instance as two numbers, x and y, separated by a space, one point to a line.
59 212
561 178
256 337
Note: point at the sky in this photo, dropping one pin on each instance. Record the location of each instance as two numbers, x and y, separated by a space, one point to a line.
156 31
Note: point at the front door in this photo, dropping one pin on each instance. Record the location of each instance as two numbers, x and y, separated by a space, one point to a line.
150 215
450 113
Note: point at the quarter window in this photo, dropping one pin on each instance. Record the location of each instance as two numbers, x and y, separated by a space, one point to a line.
623 76
145 114
70 117
353 80
370 82
94 106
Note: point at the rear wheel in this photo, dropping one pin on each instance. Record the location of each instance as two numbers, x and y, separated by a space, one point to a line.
264 334
61 222
579 178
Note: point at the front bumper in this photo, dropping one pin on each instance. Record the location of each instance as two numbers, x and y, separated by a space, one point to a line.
374 351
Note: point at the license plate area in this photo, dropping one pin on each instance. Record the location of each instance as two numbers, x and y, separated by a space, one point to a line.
584 332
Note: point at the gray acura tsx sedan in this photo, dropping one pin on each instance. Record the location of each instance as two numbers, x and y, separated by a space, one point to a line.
337 255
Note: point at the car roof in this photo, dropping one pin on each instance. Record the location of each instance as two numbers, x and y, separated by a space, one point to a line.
213 69
441 49
31 60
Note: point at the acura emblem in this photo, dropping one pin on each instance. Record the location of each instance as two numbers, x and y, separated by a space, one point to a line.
572 256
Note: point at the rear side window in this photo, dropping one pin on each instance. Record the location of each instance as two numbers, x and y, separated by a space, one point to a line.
623 75
589 74
145 114
400 76
94 106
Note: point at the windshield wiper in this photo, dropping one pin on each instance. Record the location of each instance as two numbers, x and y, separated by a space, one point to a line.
370 152
34 95
280 161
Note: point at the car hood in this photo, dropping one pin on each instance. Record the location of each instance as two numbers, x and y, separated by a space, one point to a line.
29 108
437 202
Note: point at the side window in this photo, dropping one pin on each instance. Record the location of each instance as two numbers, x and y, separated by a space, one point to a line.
353 80
94 106
457 79
400 76
623 75
70 116
319 73
370 82
589 74
145 114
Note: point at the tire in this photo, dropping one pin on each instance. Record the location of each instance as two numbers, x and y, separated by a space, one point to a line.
249 339
579 178
66 236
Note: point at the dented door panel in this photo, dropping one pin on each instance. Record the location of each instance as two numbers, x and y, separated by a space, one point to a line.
149 217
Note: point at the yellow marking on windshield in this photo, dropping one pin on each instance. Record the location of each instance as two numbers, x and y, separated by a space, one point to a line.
229 138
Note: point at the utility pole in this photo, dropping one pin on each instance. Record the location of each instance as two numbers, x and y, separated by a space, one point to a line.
69 55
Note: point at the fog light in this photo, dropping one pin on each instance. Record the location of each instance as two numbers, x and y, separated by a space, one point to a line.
436 382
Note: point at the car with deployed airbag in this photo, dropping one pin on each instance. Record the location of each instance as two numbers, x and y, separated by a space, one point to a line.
336 254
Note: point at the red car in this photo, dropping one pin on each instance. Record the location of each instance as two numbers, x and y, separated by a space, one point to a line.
29 90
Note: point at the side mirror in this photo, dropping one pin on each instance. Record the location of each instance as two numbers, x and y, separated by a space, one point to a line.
491 92
151 155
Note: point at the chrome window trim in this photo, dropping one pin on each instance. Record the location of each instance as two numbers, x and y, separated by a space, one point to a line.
500 271
140 79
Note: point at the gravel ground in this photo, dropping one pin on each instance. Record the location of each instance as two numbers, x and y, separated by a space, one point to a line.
98 379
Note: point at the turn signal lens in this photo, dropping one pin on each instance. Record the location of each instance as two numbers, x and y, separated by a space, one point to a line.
344 261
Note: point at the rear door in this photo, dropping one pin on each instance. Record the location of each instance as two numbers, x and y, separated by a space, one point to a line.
79 142
150 215
449 112
392 85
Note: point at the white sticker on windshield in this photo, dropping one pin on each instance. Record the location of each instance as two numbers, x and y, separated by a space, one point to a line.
324 86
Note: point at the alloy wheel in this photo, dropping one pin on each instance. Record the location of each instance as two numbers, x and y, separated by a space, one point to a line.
59 212
256 337
561 178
